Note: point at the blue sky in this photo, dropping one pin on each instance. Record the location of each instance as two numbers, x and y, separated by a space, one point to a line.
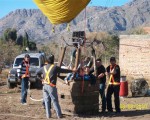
7 6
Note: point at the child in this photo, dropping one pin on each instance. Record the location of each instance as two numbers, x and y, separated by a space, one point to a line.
80 74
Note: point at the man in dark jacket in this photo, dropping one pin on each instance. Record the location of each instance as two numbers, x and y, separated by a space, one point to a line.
50 72
102 82
113 72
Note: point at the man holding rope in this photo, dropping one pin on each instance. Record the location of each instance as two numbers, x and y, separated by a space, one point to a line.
50 72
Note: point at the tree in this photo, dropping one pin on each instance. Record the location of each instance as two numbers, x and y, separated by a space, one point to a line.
13 34
6 38
105 45
8 51
32 46
19 40
112 46
138 31
45 49
10 34
26 40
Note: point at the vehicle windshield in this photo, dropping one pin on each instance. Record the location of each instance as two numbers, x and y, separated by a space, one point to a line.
33 62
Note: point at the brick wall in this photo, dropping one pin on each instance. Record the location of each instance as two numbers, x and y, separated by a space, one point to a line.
134 56
147 29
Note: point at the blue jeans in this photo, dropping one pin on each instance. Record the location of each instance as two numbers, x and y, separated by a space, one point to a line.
103 97
69 76
50 93
24 89
43 102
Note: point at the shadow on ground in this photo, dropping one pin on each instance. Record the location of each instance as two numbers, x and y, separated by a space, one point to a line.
132 113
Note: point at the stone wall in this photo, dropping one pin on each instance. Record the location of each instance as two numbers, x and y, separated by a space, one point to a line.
134 56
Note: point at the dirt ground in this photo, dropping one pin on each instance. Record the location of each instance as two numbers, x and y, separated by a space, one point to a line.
11 109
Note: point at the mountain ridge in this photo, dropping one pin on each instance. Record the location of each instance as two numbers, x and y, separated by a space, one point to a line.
113 20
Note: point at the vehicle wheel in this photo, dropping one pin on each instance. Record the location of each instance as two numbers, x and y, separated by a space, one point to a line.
38 84
10 85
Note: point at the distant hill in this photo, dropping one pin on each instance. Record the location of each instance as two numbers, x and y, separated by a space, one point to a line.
113 20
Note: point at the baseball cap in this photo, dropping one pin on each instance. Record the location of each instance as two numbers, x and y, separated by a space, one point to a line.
112 59
50 59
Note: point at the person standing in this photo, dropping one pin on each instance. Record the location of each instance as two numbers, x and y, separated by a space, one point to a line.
102 81
50 72
113 72
24 70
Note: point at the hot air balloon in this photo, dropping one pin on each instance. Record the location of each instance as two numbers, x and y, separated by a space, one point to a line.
61 11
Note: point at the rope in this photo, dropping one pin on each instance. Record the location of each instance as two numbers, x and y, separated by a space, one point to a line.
85 20
53 29
36 100
82 87
68 27
29 91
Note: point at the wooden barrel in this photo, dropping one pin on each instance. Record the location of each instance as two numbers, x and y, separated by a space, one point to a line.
78 97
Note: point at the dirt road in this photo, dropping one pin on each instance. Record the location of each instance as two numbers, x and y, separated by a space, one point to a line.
11 108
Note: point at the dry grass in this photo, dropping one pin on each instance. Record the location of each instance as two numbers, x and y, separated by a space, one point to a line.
4 74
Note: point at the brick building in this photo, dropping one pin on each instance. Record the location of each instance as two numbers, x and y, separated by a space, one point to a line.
134 56
147 29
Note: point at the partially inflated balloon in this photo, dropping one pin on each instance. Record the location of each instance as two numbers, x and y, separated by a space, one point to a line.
61 11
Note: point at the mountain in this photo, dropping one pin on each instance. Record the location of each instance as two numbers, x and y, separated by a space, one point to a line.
113 20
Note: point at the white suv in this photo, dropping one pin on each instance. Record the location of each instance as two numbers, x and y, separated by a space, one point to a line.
37 60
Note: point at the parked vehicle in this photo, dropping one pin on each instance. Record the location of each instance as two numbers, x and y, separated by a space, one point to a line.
37 60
